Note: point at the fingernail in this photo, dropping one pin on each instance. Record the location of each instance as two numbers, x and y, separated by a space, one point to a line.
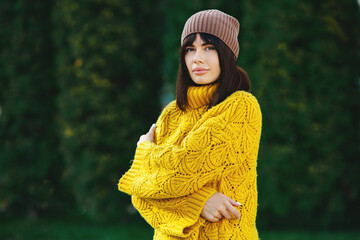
239 203
154 125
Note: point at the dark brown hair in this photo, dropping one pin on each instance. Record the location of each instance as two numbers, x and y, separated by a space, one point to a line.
232 77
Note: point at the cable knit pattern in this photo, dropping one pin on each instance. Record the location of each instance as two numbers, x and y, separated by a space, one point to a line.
195 154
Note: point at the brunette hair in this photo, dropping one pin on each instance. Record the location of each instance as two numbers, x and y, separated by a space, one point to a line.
232 77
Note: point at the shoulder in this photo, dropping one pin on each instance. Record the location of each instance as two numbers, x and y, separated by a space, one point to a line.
239 105
240 97
239 100
169 112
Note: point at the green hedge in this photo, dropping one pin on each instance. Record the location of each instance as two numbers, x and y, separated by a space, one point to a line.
29 158
304 59
108 75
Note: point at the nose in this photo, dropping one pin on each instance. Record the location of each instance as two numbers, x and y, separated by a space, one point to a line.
199 57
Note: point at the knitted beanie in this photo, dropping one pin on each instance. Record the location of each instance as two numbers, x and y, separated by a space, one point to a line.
217 23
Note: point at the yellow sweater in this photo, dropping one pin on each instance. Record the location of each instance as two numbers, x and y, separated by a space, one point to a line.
195 154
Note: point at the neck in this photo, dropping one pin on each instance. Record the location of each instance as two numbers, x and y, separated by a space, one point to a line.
199 96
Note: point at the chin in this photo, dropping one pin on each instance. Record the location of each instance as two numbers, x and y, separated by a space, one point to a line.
202 82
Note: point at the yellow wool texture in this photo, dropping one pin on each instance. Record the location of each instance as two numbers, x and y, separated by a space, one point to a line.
196 153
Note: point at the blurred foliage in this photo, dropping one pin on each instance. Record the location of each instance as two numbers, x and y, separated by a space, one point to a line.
303 56
30 162
80 81
107 76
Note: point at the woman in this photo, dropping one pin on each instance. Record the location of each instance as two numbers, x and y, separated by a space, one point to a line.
194 172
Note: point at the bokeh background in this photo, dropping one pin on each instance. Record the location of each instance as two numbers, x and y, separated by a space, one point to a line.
80 81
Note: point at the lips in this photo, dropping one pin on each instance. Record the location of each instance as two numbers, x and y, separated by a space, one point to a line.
200 71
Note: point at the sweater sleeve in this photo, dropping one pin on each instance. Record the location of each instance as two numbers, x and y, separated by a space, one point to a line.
216 148
176 217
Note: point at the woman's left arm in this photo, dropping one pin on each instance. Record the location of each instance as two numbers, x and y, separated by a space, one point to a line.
215 149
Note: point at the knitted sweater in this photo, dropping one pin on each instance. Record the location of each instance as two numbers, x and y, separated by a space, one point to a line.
195 154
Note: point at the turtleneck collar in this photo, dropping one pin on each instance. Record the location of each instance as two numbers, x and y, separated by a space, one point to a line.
200 95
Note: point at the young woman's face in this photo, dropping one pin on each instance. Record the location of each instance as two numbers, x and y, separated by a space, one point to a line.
202 62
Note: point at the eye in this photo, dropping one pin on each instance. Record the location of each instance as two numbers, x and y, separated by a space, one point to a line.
210 48
189 49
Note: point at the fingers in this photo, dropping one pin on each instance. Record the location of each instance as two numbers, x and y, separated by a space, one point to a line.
219 206
152 128
149 136
142 138
152 131
212 217
233 211
224 211
236 204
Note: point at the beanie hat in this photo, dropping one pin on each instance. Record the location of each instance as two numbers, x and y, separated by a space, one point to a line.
216 23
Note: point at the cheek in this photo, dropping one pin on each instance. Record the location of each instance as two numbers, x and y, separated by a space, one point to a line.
216 64
188 63
219 69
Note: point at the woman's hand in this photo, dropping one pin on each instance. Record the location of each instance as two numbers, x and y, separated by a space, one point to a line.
219 206
149 136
